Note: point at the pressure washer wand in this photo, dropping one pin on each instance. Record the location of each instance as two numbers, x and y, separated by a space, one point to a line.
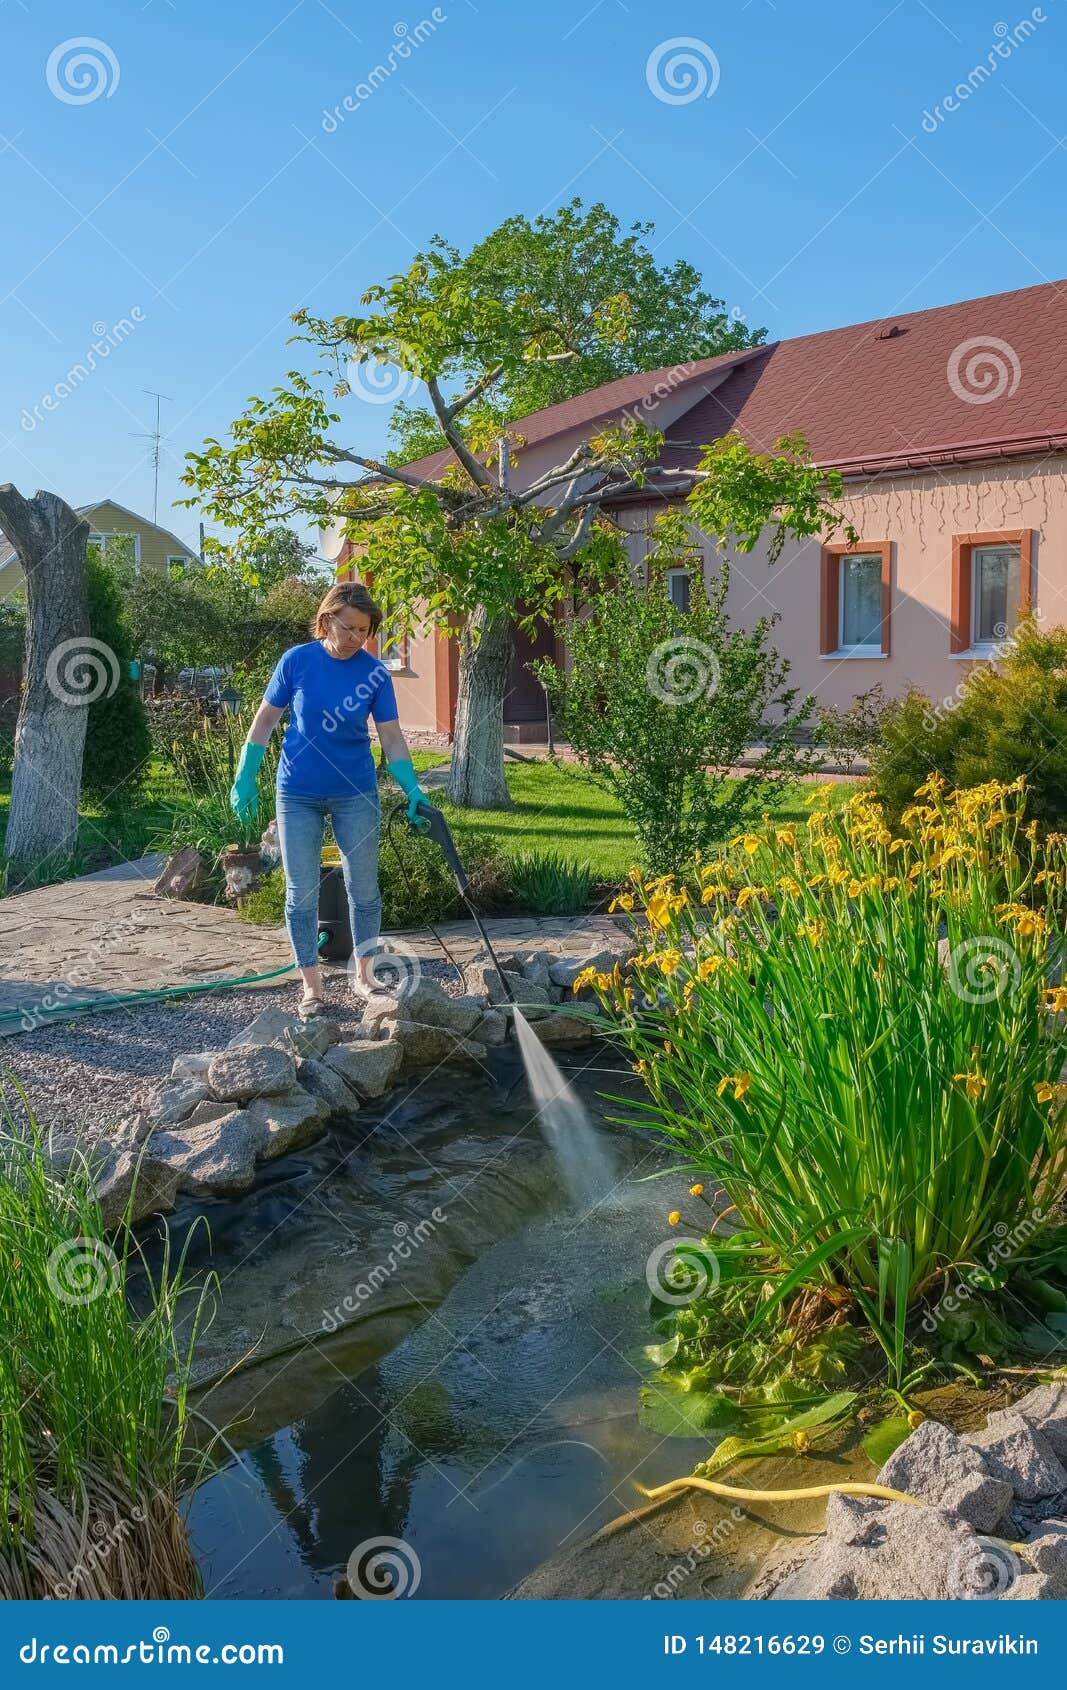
437 830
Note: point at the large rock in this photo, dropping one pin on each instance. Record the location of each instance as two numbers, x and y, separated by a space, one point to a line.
562 1029
248 1071
492 1029
323 1081
1014 1450
426 1047
192 1067
428 1004
300 1038
368 1067
177 1102
218 1159
281 1124
566 969
183 875
882 1551
122 1171
536 967
934 1462
1045 1409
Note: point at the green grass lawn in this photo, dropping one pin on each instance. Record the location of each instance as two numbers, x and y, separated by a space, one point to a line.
556 808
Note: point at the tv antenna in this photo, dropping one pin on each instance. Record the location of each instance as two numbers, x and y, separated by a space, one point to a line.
155 437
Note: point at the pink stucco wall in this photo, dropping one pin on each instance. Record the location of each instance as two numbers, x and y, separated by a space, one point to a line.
919 514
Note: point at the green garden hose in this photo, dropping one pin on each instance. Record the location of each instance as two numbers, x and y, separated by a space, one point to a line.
118 1000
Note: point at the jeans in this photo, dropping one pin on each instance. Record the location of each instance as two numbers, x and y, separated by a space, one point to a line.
356 821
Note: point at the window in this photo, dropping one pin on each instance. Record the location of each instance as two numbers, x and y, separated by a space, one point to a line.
861 602
678 584
994 592
106 540
392 651
990 588
178 560
856 592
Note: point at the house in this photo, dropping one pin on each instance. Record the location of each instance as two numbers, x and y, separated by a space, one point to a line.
950 428
153 547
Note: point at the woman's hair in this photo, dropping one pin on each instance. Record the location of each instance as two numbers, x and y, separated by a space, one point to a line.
346 595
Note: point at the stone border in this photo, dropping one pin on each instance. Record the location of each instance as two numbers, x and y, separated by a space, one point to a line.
277 1085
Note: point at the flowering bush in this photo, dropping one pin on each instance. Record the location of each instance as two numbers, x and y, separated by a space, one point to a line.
856 1032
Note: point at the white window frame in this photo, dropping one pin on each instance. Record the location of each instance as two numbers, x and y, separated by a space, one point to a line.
396 662
179 557
874 647
988 647
101 540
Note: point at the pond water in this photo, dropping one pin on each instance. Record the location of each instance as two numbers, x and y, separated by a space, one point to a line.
481 1404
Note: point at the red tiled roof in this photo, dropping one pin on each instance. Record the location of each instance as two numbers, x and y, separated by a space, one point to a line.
598 404
982 379
904 390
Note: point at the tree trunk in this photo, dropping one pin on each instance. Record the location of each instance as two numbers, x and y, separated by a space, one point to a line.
50 539
476 778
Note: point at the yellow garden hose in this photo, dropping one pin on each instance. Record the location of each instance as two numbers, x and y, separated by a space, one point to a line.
736 1494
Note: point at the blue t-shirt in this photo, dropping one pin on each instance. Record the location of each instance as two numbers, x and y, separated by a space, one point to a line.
326 751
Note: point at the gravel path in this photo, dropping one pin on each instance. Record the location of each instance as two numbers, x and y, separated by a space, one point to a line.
82 1076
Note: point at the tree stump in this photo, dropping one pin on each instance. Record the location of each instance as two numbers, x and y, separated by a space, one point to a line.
50 539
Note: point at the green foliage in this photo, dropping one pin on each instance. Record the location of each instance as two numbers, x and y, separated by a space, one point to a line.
611 308
658 704
549 883
85 1386
1004 719
741 491
853 732
205 763
117 740
878 1114
416 889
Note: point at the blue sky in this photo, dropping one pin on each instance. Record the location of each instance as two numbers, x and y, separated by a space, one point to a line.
815 179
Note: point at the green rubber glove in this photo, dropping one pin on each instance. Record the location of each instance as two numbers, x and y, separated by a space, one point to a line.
403 772
243 797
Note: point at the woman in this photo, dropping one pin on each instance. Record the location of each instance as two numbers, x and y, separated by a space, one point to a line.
326 768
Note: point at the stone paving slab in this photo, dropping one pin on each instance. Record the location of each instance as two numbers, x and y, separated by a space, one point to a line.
109 933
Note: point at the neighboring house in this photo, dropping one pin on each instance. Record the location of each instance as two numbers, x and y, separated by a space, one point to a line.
950 427
153 547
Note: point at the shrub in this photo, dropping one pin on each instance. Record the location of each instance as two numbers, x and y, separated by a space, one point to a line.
548 883
878 1112
1003 721
117 741
416 890
659 704
853 732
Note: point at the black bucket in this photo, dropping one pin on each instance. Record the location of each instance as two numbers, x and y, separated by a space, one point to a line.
335 925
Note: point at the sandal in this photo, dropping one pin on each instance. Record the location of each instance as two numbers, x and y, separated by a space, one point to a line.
310 1004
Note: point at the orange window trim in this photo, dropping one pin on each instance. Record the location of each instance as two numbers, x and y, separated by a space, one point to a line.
963 548
830 590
